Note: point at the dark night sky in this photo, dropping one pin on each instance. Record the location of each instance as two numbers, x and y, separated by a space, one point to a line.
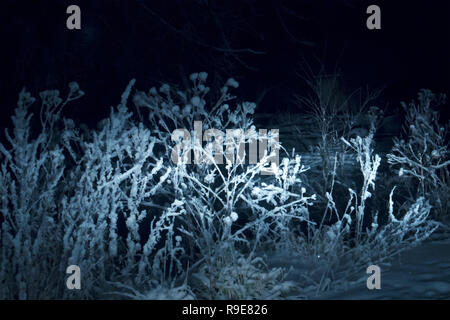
121 40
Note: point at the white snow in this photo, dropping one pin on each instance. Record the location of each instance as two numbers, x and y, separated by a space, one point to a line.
422 272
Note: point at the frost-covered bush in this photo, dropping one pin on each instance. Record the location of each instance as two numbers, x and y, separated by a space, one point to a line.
31 220
345 242
422 157
224 206
116 179
58 211
335 112
114 202
126 204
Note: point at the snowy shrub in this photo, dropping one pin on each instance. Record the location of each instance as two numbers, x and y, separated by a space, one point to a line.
344 243
52 217
335 112
150 208
422 158
225 206
117 179
115 203
31 175
400 231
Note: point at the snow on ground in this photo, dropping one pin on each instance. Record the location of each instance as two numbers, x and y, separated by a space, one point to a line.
422 272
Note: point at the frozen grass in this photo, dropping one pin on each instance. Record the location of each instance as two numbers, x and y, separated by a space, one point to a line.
141 226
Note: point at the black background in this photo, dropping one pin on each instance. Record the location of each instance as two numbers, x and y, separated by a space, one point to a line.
120 40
